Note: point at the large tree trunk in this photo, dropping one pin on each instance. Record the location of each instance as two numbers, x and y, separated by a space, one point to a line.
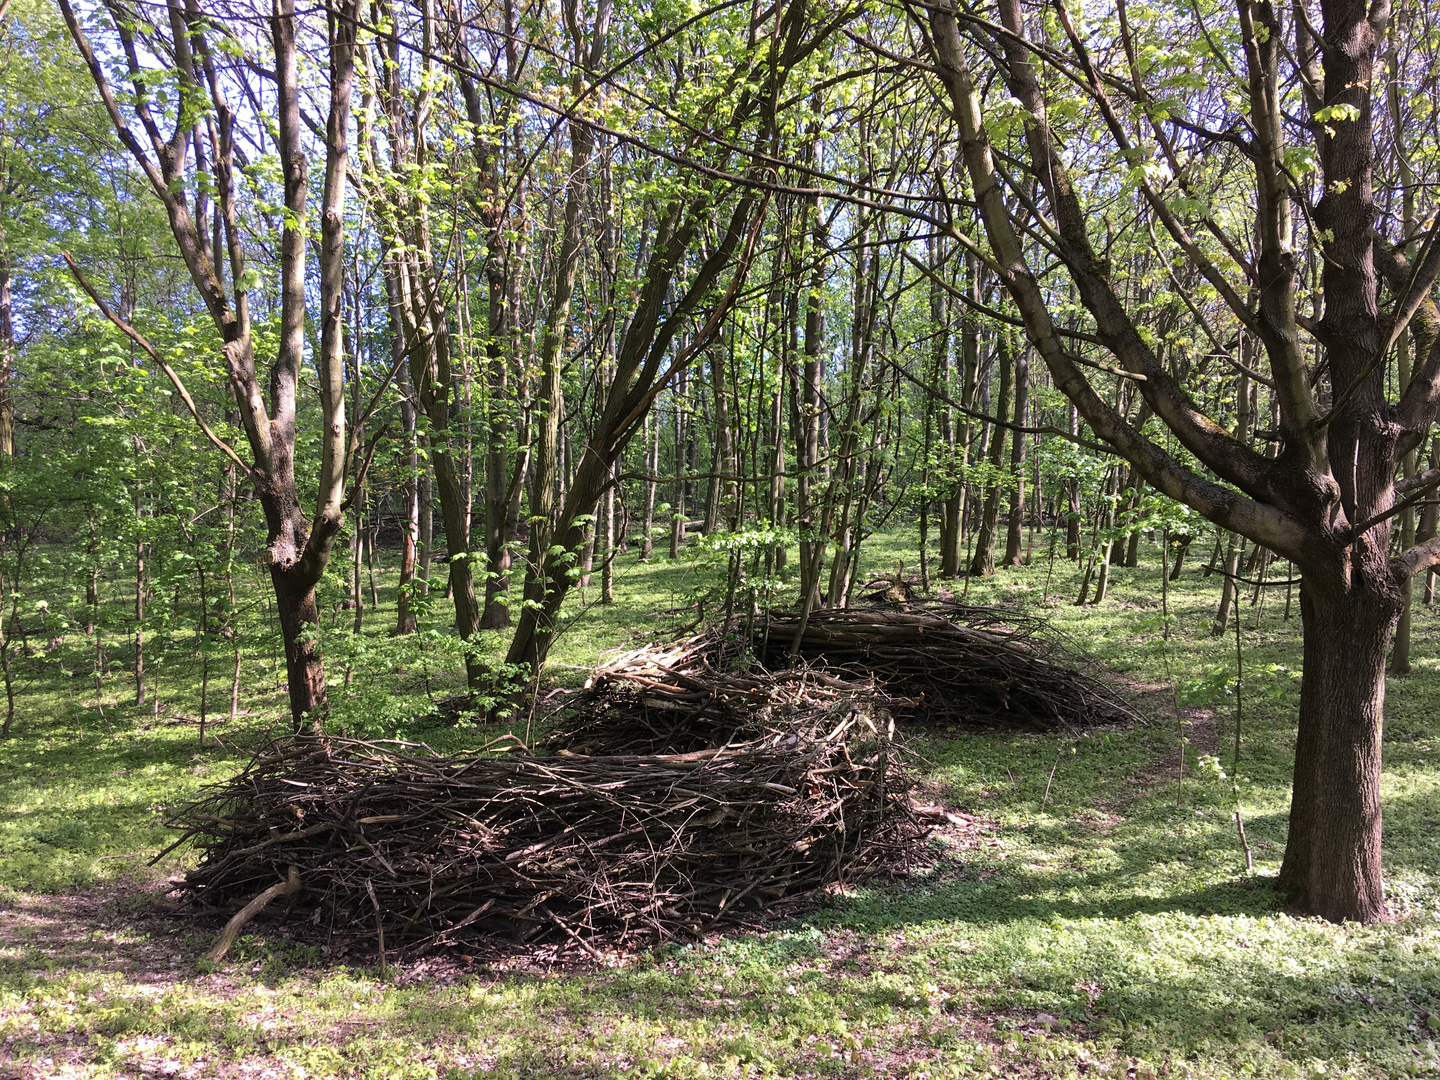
299 626
298 552
1332 855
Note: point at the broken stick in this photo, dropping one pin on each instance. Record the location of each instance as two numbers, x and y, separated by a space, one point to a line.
237 923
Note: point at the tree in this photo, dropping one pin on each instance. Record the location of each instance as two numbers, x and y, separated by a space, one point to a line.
745 101
1326 499
180 76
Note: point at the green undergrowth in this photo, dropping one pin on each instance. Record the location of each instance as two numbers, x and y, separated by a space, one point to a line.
1092 913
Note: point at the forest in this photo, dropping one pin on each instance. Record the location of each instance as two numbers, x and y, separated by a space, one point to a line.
751 538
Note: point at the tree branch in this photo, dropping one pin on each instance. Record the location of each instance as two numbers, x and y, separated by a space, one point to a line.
154 354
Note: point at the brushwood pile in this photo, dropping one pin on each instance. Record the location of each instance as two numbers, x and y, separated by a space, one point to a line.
737 771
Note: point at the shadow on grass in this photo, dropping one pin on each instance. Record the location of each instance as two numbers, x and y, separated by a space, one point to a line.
1017 895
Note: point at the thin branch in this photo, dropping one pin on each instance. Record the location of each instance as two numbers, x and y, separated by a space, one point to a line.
976 414
154 354
359 483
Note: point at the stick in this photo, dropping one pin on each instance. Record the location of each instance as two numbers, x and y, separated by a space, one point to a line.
1046 797
379 926
1249 856
249 911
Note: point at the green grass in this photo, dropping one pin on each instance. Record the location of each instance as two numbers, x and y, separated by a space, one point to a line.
1112 931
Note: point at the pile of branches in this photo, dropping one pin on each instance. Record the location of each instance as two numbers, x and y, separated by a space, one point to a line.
413 849
953 664
697 693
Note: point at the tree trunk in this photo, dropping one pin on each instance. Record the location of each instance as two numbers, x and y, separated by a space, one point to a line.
1429 520
462 580
299 625
652 470
1072 498
982 563
1228 587
549 451
1182 546
607 567
682 467
721 464
357 567
807 434
409 462
1014 527
139 622
7 356
427 532
1332 855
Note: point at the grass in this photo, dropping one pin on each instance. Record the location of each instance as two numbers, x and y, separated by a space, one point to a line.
1107 927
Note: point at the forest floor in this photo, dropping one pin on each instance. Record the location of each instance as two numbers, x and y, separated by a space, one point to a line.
1111 929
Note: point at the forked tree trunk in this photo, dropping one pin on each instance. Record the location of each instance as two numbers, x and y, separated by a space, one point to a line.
1332 855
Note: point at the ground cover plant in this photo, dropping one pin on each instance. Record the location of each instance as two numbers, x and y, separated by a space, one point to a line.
1090 914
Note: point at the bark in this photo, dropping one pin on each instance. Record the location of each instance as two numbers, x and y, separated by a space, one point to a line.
607 523
1332 862
843 498
1429 521
1182 547
426 542
1072 498
982 563
503 478
952 510
410 510
299 626
652 469
681 463
140 586
1014 527
7 354
423 309
775 557
357 584
1227 588
1107 546
807 456
721 463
